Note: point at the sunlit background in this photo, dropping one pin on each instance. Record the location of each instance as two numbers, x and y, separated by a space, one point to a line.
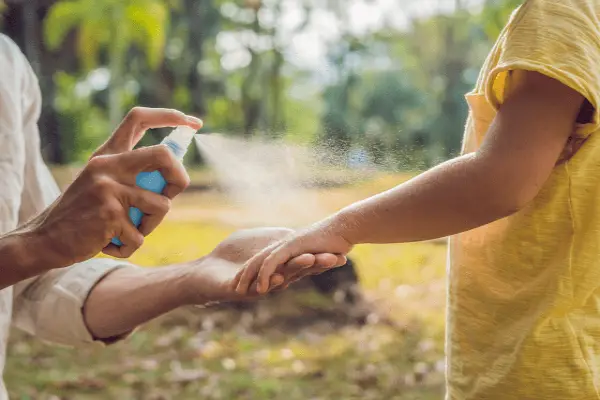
382 79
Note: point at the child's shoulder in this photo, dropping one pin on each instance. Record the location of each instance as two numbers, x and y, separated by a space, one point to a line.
556 38
558 8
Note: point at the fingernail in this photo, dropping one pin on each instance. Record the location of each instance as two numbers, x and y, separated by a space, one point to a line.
194 120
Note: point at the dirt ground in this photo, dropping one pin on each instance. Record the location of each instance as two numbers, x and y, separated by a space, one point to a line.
291 346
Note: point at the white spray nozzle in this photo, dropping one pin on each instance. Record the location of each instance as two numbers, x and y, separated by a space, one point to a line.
179 140
183 135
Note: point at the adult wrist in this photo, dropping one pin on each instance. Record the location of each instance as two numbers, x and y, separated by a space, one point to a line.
24 253
194 286
47 252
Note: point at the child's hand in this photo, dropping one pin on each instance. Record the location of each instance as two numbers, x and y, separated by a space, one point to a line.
316 240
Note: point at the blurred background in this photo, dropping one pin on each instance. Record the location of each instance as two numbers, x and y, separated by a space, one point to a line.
379 81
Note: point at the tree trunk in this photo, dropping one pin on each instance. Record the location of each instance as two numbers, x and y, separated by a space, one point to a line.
21 24
277 123
198 34
454 63
116 59
114 89
31 35
251 102
278 115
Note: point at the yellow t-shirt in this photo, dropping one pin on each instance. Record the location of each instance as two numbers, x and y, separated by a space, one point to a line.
524 292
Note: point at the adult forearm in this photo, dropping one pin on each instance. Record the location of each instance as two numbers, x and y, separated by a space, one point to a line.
131 296
454 197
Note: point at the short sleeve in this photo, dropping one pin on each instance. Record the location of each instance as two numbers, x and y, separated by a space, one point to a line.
50 306
559 39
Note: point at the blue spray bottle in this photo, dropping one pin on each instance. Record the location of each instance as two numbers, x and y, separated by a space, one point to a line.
178 142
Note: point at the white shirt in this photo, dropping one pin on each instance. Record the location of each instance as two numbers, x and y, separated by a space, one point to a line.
49 306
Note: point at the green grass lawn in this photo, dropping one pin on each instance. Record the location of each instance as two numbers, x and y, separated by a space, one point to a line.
296 345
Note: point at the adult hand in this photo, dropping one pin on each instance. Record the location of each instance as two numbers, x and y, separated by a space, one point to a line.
215 277
95 206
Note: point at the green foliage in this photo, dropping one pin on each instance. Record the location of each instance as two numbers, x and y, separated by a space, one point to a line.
495 15
147 25
61 19
302 119
108 23
113 25
83 124
398 93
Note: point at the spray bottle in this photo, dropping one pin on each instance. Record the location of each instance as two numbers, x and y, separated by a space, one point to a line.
178 142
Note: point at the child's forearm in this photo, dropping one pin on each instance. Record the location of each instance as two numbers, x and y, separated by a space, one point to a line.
454 197
517 156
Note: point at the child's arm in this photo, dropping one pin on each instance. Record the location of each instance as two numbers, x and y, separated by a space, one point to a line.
520 151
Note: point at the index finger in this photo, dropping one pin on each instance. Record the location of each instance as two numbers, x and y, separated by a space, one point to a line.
140 119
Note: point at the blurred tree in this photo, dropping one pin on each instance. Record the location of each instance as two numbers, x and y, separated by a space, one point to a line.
391 113
393 90
276 113
442 55
185 80
22 23
454 61
495 14
182 80
259 60
114 26
341 122
83 123
252 103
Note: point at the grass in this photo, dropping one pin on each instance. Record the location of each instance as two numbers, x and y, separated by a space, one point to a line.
296 345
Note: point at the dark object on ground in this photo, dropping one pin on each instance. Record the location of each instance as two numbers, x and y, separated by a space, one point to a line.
342 283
